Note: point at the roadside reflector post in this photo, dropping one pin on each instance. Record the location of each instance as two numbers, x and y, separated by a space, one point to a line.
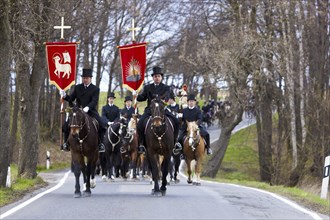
325 181
47 160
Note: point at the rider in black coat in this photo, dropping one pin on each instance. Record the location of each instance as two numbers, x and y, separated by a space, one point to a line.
192 113
110 112
128 110
150 91
86 96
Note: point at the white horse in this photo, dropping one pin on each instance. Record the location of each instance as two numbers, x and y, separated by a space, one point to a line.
65 68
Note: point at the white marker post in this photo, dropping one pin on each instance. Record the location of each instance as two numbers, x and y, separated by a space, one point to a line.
48 160
325 182
8 180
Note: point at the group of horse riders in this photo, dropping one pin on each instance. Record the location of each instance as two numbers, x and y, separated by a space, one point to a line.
86 96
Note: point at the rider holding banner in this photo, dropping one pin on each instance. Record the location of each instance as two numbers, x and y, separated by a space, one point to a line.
86 96
150 91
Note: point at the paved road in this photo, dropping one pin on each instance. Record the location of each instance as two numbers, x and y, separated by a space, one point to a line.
132 200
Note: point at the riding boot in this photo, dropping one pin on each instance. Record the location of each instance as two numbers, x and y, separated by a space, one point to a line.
101 146
141 147
65 146
208 146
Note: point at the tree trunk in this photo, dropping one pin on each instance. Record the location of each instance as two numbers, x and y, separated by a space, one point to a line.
5 54
229 122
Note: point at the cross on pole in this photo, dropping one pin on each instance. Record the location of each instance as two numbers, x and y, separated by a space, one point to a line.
62 27
133 29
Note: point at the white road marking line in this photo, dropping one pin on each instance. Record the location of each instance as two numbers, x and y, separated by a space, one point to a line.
27 202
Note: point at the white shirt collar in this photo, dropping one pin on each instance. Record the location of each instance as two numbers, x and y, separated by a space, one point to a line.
191 107
87 84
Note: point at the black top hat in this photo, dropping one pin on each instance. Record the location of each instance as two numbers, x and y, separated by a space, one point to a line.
87 73
157 70
111 95
191 97
128 98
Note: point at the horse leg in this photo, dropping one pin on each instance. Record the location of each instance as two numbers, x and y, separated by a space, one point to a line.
87 192
176 168
153 165
164 167
188 162
77 171
93 166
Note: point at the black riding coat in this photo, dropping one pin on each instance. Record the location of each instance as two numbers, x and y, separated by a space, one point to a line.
173 109
128 111
110 113
190 115
88 96
150 91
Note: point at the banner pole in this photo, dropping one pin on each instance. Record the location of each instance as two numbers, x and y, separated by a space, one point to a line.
61 112
135 102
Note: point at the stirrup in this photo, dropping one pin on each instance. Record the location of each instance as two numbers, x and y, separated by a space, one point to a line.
65 147
141 149
101 148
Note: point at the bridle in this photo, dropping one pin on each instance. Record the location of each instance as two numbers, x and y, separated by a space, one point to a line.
74 125
158 116
193 140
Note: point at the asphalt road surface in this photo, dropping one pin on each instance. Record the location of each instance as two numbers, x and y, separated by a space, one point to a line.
133 200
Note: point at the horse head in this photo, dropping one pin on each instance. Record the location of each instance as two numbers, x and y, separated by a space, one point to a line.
78 120
192 133
157 107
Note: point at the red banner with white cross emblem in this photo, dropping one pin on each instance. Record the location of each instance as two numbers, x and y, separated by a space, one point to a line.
61 60
133 65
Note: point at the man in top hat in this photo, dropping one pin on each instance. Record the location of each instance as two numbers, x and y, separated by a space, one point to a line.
149 92
192 113
110 112
86 96
128 110
172 106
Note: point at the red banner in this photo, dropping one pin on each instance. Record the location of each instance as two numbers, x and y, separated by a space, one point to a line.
133 59
61 60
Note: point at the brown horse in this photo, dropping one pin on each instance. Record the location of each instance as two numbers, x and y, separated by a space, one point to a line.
128 150
159 142
84 141
193 149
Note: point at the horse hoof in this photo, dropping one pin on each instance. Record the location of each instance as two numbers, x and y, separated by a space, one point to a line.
198 184
77 195
163 192
189 181
87 194
104 178
156 193
177 181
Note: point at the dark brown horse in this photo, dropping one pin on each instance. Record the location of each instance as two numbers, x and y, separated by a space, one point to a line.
84 141
159 142
128 150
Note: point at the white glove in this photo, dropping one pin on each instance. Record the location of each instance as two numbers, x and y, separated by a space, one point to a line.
62 93
134 93
180 115
86 109
110 123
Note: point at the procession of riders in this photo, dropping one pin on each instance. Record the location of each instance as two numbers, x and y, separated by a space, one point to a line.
86 96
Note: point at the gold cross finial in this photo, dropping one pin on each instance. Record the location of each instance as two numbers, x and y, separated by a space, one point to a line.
133 29
62 27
